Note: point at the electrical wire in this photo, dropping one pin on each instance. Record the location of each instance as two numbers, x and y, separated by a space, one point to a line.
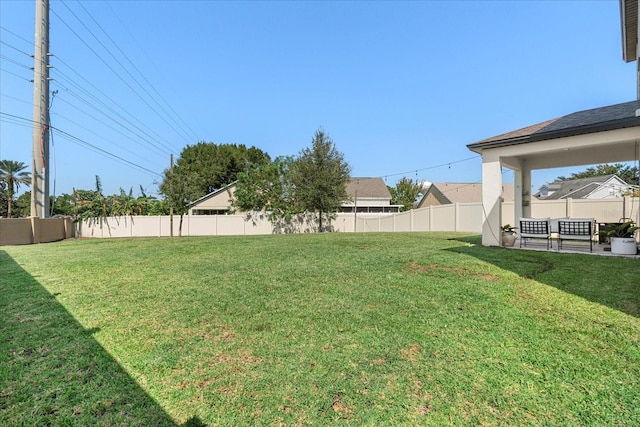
15 35
154 138
79 141
126 132
6 58
432 167
122 79
15 48
14 74
158 70
170 116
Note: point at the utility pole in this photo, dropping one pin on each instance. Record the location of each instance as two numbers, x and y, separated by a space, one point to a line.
171 201
40 146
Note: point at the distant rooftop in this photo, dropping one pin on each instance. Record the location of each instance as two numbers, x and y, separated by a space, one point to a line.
368 187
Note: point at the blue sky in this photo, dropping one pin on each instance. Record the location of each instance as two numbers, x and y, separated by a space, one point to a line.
401 87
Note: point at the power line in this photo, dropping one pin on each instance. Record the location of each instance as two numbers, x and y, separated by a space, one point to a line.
154 138
11 118
93 132
16 35
142 98
193 134
106 153
119 120
6 58
16 75
15 48
158 70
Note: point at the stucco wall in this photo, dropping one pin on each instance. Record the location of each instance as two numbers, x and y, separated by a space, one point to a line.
24 231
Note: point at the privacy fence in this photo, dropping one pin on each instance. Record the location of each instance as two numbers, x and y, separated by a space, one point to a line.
464 217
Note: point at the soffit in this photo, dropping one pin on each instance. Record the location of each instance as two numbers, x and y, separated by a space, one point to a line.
629 23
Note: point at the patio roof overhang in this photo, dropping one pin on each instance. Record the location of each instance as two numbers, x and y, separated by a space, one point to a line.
602 135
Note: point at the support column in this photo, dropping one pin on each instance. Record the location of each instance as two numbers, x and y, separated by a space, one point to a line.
526 192
491 201
518 197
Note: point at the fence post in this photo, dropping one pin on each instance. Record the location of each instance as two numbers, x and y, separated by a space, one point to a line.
411 220
456 215
430 218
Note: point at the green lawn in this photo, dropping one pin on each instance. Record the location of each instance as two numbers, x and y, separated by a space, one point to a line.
357 329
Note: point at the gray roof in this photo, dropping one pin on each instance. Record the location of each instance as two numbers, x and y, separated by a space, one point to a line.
461 192
600 119
368 187
576 188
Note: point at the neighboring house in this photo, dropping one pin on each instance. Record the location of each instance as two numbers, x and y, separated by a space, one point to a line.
597 187
446 193
215 203
368 195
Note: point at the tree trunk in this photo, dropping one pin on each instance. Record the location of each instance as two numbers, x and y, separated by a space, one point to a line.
320 223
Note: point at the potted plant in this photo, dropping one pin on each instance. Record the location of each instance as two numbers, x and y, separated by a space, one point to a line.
620 235
508 235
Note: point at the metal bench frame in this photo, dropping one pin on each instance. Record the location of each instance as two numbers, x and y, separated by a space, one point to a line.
577 230
535 228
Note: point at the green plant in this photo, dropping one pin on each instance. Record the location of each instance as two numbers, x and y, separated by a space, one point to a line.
508 228
620 229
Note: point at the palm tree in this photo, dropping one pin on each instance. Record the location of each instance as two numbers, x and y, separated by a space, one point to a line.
13 174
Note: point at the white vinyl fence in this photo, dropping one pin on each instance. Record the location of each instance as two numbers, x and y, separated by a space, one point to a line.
464 217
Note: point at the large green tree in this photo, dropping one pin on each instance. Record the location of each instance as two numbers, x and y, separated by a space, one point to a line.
405 193
628 174
13 173
319 177
206 167
267 188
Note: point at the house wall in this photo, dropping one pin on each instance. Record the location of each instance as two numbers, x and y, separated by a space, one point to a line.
432 199
609 191
220 201
368 201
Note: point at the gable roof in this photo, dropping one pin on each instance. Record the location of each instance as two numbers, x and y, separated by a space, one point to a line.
228 188
577 188
461 192
600 119
368 187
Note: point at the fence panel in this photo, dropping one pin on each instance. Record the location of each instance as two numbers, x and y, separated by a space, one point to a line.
444 218
467 218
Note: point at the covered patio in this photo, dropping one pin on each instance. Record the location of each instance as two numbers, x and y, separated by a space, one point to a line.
608 134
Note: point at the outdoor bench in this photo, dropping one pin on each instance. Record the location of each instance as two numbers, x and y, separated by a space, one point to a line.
535 228
581 229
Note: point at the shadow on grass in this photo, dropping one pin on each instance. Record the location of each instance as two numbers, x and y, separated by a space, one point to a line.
53 372
613 282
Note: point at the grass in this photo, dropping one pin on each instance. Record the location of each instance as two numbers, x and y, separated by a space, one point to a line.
358 329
